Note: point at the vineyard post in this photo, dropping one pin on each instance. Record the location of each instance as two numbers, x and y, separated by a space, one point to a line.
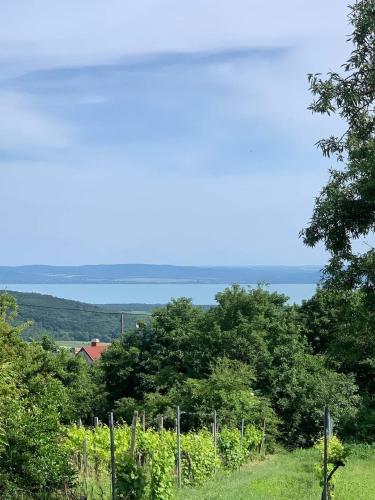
84 457
161 423
178 428
79 461
325 454
214 429
133 433
96 461
242 429
85 463
112 444
261 448
143 421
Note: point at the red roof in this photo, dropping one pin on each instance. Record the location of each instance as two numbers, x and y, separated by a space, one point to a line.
94 351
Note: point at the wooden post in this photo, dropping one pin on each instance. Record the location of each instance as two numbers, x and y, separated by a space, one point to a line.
179 465
96 459
261 448
214 429
79 457
84 457
161 423
133 433
112 445
143 421
242 429
85 465
325 454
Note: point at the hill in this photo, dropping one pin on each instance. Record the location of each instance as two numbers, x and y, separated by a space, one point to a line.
148 273
72 320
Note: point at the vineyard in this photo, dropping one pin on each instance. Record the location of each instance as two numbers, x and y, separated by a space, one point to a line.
151 463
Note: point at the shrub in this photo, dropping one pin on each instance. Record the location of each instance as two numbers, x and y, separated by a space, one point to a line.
337 457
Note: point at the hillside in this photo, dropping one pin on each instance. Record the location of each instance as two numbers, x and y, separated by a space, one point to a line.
145 273
71 320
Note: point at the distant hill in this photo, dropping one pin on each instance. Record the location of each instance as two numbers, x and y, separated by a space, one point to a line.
148 273
71 320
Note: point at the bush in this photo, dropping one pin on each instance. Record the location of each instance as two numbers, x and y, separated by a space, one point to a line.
152 474
337 457
130 479
233 452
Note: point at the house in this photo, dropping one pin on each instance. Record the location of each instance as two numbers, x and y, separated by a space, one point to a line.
92 352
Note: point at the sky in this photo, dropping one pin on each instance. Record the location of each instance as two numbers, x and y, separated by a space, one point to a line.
160 131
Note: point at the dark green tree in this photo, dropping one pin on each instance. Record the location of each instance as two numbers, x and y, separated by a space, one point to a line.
252 341
41 387
345 209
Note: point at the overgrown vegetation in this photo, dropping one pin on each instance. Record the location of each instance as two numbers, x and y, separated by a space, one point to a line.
249 358
40 388
149 471
64 319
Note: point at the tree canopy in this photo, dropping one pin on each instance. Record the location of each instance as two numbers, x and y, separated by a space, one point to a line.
345 209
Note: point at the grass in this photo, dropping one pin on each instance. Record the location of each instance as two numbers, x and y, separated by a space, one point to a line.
72 343
75 343
289 476
284 476
357 480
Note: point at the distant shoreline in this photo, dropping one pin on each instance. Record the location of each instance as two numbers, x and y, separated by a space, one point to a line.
137 274
154 293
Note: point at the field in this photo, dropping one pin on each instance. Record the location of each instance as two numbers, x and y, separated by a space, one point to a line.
289 476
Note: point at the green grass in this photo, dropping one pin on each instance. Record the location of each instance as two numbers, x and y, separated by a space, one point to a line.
357 480
284 476
72 343
289 476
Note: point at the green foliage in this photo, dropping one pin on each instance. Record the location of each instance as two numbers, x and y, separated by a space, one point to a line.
67 320
340 326
337 457
151 474
345 209
230 447
199 459
130 479
38 391
248 357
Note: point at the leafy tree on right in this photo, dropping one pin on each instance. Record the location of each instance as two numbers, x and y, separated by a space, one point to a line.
345 208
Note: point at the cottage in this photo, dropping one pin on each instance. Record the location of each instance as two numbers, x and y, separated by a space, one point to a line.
92 352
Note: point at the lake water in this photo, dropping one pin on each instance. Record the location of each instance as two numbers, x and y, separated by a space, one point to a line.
156 293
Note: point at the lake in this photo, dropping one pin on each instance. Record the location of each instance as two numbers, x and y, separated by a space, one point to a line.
155 293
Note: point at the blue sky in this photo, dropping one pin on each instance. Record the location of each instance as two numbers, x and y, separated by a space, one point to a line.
162 131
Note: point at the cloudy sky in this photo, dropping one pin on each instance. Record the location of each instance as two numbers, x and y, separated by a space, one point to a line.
162 131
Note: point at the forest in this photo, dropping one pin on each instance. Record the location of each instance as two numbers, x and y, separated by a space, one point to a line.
64 319
253 357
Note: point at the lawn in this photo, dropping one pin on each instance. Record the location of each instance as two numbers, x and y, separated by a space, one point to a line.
289 476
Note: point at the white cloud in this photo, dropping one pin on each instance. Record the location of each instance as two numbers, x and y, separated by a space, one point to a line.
21 125
88 31
123 204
